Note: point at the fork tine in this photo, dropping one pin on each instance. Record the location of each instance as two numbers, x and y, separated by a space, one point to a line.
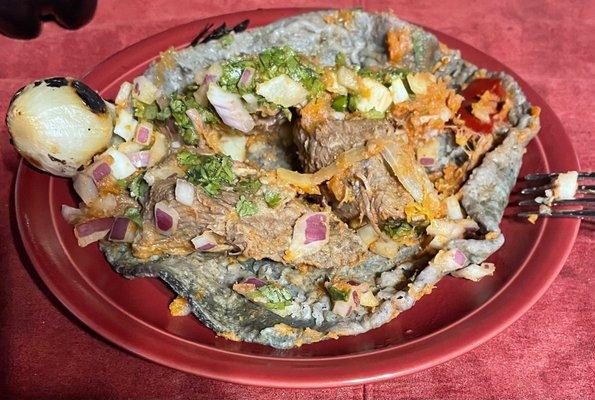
560 214
590 189
535 190
582 200
535 177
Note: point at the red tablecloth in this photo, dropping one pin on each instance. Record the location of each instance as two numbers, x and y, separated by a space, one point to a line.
549 353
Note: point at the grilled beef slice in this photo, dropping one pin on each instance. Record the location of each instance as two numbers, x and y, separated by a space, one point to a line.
367 188
265 235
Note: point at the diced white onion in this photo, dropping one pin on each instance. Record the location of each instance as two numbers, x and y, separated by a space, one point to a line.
398 91
185 192
417 83
377 97
125 124
283 90
347 77
159 149
453 208
367 234
123 96
71 214
234 146
121 167
144 90
85 187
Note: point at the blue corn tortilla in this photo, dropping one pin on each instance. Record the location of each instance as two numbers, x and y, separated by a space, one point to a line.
206 280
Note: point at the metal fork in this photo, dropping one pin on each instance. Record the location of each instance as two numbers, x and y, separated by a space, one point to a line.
585 202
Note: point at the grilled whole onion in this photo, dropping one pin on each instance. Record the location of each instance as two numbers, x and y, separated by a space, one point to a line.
58 124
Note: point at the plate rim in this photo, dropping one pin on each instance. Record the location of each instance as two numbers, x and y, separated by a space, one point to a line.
302 380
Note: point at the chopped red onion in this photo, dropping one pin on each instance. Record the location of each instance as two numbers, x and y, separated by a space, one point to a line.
143 133
459 257
230 108
92 231
246 77
140 159
71 214
426 161
205 241
316 228
342 308
166 218
255 281
123 230
85 187
100 171
355 297
185 192
310 234
213 74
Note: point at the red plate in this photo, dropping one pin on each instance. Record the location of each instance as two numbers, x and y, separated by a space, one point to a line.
458 316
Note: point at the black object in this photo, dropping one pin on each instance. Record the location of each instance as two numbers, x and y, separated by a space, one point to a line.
218 32
22 19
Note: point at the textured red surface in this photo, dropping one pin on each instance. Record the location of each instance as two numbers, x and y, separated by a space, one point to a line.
548 353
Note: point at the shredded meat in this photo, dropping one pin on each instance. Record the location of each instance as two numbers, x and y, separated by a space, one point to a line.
367 188
266 234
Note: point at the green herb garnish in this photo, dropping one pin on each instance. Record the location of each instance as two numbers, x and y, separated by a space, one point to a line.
340 60
248 185
232 70
340 103
226 40
396 228
272 199
337 294
211 172
179 104
134 215
277 297
150 112
284 60
138 187
245 208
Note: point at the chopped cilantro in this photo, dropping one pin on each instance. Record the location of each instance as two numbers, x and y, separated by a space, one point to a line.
396 228
284 60
211 172
232 71
248 185
134 215
245 208
340 103
226 40
138 187
340 60
277 297
272 199
179 103
150 112
337 294
373 114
